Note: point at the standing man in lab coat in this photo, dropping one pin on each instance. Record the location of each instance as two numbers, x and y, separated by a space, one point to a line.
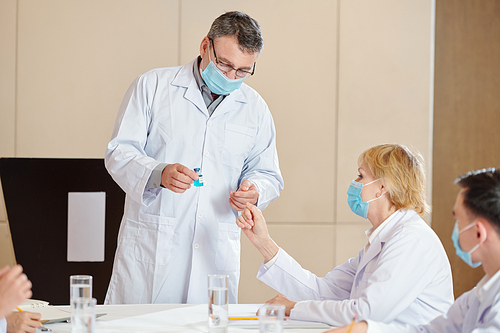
171 121
476 237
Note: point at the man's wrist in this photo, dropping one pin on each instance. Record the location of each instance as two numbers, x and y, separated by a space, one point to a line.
155 178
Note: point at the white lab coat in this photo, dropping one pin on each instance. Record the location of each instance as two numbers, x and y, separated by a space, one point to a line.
404 276
477 311
168 243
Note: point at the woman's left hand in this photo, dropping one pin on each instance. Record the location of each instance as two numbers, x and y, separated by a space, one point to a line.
282 300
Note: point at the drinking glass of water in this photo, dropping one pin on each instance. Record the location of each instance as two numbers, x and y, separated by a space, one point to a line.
83 315
80 286
217 303
271 318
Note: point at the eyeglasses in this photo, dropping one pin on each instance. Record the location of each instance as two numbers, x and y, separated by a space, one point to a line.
225 68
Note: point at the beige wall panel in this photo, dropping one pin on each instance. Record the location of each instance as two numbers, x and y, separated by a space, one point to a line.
385 83
350 239
8 13
296 75
311 245
6 249
76 60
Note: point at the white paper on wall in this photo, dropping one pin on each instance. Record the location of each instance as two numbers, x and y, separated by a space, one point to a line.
86 225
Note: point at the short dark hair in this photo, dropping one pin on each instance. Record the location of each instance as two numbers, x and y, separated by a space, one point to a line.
482 194
243 27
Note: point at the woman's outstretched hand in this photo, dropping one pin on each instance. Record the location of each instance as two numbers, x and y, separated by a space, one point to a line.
254 226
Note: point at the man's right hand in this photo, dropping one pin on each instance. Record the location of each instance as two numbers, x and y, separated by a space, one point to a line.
177 177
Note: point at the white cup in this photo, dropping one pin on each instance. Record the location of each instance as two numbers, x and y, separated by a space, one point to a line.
217 303
271 318
83 315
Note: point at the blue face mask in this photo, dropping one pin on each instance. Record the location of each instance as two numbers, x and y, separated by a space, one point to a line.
465 256
217 82
354 198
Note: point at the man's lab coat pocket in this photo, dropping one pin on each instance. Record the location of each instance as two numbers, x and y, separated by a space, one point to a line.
227 257
155 239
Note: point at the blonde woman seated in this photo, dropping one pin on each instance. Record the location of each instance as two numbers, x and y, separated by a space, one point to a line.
402 275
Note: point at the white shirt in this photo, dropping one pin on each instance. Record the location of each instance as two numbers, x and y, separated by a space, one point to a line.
404 276
477 311
372 233
3 325
168 242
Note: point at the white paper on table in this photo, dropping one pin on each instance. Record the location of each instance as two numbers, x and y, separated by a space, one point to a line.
86 225
250 310
175 317
47 311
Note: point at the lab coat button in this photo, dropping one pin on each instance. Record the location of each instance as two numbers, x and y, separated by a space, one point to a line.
196 245
206 153
200 215
209 123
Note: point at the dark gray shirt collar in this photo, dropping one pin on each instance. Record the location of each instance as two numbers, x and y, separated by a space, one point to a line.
205 91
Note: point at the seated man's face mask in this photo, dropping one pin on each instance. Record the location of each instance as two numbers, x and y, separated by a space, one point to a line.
465 256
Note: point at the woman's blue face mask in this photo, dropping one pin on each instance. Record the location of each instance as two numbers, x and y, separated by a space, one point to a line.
354 198
465 256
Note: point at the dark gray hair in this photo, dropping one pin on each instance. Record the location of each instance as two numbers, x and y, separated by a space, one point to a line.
482 194
243 27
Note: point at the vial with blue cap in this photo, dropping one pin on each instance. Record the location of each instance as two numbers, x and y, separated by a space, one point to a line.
199 181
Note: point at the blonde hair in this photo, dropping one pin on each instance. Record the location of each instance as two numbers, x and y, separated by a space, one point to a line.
402 173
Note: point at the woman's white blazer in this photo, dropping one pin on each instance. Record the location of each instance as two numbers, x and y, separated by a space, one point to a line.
404 277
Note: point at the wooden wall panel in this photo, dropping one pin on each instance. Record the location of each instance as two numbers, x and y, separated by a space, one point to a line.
466 110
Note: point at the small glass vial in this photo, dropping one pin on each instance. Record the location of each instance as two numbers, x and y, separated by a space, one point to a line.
198 182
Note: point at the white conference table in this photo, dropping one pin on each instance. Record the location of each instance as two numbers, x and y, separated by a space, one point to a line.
178 318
